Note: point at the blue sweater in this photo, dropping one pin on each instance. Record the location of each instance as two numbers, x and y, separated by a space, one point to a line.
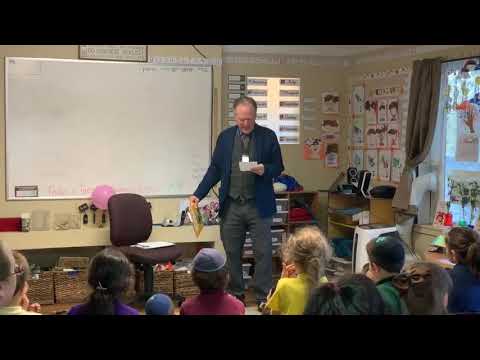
267 152
465 296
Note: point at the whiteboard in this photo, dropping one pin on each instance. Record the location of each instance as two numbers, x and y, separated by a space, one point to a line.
72 125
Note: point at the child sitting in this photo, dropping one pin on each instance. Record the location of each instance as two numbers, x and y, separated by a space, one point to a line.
159 304
109 276
209 273
463 249
425 288
305 256
14 272
386 257
351 295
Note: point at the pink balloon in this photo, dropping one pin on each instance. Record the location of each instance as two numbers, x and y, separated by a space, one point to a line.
100 196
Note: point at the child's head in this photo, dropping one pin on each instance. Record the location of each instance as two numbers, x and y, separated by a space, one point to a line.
308 249
159 304
352 295
14 272
386 256
209 272
109 275
425 288
463 247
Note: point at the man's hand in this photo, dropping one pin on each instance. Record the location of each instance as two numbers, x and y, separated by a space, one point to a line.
259 169
194 201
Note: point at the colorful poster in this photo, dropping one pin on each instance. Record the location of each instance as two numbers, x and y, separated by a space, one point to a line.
358 98
357 159
330 138
371 162
393 136
331 156
371 110
393 113
330 103
398 162
372 136
313 149
382 111
331 126
357 132
468 127
384 164
382 136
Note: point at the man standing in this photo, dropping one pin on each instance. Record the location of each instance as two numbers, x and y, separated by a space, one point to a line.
247 199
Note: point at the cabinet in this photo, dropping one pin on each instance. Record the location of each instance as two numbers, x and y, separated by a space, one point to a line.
283 226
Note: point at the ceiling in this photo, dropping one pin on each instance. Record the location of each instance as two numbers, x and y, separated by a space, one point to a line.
308 50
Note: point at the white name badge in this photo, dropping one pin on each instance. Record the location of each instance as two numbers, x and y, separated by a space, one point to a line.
245 158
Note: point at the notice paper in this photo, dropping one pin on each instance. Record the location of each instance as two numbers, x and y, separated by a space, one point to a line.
247 166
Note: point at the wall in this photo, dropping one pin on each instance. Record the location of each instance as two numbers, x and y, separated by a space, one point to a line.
160 207
405 56
315 79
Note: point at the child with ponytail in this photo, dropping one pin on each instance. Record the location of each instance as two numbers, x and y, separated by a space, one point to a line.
305 256
463 249
109 276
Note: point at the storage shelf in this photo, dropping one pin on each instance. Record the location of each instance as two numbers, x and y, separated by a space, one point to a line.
303 222
350 226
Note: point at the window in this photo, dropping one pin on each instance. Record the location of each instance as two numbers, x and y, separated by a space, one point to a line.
459 124
278 101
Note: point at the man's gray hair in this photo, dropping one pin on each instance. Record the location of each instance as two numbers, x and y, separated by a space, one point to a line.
245 100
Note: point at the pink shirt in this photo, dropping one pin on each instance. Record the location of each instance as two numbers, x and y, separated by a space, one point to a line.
217 302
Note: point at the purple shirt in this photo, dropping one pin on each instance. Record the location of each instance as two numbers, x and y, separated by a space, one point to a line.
120 309
216 302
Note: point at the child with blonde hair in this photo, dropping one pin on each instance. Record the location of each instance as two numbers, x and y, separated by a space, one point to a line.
305 255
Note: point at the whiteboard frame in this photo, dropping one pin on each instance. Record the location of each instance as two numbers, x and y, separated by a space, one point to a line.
43 198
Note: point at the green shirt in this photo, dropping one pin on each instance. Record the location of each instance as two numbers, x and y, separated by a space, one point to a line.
394 305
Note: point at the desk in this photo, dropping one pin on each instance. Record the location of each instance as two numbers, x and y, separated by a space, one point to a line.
87 237
439 259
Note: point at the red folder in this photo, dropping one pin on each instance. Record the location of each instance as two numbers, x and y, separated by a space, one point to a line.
10 224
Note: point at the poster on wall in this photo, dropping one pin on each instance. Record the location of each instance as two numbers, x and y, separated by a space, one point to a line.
371 162
393 136
384 164
330 103
358 98
371 110
313 149
357 132
331 126
392 112
357 159
331 156
382 111
468 127
382 136
330 138
371 136
398 162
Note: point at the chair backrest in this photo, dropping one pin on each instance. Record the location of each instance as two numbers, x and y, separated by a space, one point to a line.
130 219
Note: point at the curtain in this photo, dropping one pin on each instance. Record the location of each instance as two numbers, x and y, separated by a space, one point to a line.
421 122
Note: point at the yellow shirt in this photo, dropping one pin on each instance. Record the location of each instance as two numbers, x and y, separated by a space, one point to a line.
291 295
15 310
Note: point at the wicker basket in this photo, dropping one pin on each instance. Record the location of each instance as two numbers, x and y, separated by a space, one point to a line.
162 282
183 284
41 289
71 286
68 262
